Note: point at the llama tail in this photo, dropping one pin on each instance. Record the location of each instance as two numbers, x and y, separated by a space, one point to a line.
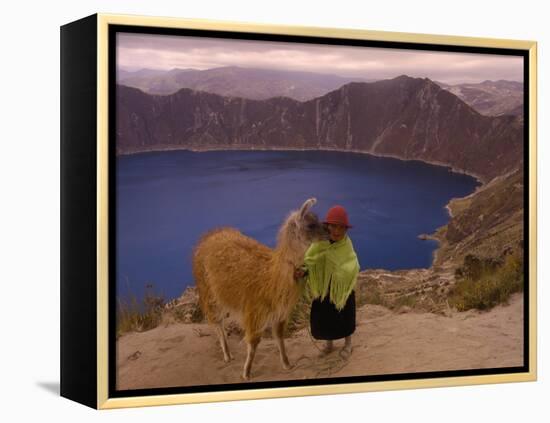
201 283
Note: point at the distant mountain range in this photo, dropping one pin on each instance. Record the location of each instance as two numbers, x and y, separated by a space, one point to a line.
409 118
232 81
491 98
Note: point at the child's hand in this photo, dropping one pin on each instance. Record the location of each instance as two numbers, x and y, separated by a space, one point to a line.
299 273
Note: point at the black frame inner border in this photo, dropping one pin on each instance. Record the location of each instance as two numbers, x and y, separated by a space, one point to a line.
113 30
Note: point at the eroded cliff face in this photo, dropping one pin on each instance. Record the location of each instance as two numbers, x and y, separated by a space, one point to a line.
487 223
409 118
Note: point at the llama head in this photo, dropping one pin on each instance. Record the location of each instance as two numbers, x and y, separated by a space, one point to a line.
302 227
308 224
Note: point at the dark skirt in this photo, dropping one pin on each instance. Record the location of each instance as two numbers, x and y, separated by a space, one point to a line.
328 323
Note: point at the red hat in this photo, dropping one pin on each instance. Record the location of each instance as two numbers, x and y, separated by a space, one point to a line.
338 216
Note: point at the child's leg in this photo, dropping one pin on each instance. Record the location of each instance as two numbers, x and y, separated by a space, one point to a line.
347 346
328 348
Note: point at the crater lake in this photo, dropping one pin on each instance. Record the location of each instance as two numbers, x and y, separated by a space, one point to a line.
166 200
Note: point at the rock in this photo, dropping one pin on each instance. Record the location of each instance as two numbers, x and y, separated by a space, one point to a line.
134 356
186 308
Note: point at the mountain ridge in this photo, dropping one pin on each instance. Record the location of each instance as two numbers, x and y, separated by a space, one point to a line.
401 117
235 81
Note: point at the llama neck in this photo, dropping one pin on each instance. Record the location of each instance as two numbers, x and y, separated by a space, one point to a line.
287 256
290 254
290 250
285 261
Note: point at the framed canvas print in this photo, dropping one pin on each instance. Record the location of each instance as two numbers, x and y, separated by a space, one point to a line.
255 211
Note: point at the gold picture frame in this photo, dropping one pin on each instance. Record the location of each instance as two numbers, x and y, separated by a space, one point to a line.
87 55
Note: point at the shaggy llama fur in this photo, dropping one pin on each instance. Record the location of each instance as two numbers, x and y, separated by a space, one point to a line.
238 275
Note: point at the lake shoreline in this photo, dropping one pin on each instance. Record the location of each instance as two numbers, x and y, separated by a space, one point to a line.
480 179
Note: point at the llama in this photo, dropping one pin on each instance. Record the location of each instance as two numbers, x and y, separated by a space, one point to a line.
237 274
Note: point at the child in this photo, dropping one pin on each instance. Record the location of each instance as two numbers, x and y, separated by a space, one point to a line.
331 269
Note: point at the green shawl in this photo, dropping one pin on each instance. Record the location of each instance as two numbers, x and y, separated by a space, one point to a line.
336 262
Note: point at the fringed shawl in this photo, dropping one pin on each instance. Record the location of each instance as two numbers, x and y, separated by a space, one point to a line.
332 264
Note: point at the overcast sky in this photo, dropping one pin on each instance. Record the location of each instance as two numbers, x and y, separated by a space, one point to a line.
138 51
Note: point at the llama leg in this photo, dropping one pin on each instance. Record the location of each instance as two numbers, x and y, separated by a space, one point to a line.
214 317
278 332
227 357
252 343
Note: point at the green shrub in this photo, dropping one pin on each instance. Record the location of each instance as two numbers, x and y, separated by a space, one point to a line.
474 267
484 286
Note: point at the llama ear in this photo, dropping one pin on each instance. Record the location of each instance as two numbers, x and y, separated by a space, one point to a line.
306 206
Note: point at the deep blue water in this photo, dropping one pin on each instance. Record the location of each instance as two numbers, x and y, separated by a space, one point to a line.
166 200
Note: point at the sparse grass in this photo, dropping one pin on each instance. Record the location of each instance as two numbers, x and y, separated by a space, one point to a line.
482 286
370 293
373 294
458 205
138 316
404 301
474 267
185 315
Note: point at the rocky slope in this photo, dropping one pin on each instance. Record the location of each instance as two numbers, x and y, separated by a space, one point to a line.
408 118
487 223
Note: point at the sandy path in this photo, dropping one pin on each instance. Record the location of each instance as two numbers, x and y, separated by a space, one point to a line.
384 343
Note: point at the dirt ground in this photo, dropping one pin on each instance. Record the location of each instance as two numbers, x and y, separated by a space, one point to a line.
384 343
